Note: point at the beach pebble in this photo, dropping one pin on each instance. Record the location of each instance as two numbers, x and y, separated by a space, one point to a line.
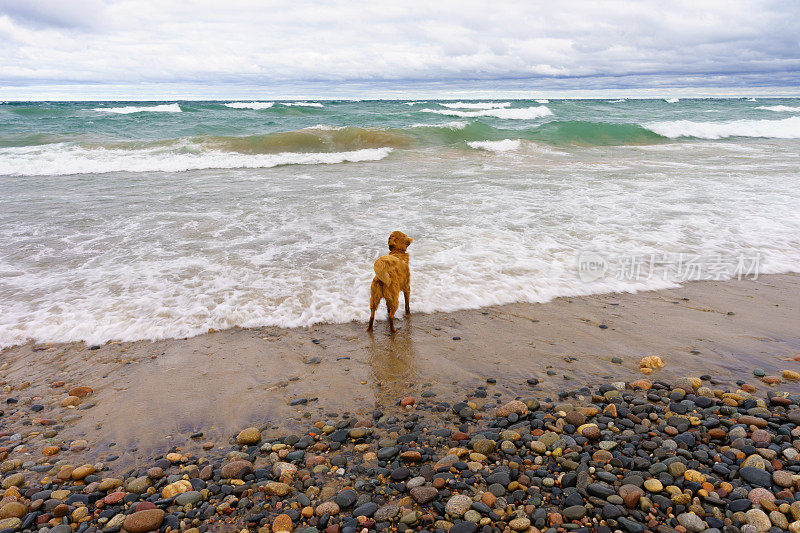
143 521
248 436
458 504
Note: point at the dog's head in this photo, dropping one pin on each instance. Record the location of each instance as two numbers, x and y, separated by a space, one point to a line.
399 241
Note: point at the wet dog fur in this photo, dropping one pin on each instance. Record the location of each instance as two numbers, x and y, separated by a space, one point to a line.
392 275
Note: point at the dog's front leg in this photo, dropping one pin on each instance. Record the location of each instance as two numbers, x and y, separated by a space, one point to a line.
407 296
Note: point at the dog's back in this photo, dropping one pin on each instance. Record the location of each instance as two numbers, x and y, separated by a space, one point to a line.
391 273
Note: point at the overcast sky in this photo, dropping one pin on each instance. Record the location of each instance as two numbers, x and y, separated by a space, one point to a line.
119 48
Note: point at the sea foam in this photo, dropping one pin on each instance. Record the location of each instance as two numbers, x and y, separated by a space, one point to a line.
506 145
519 113
476 105
126 110
62 159
302 104
780 108
455 125
250 105
788 128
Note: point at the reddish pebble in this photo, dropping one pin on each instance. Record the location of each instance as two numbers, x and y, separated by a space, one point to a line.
60 510
80 392
114 497
407 401
555 519
144 506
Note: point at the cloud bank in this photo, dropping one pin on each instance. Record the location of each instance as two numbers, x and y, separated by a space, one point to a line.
576 44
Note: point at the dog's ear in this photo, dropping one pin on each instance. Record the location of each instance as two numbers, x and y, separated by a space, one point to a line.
409 240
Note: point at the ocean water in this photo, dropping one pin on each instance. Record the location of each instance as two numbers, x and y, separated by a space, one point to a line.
144 220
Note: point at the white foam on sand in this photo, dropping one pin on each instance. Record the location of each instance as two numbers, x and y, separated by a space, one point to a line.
519 113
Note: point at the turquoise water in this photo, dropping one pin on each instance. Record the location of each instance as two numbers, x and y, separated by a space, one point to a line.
582 122
131 220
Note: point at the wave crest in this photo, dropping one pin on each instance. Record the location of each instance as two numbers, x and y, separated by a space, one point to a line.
475 105
249 105
56 160
788 128
302 104
127 110
780 108
506 145
519 113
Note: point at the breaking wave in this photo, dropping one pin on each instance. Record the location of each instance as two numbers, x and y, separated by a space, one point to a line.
780 108
788 128
672 100
302 104
520 113
506 145
56 160
455 125
476 105
250 105
126 110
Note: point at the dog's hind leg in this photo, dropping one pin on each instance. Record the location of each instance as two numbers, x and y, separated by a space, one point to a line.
391 308
374 301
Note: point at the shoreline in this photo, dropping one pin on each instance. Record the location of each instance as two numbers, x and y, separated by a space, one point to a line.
219 382
531 417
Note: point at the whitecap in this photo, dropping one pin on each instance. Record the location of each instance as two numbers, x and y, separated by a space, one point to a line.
455 125
302 104
475 105
672 100
63 159
250 105
519 113
542 101
780 108
788 128
126 110
415 103
506 145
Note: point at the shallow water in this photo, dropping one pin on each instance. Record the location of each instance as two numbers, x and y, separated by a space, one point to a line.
164 219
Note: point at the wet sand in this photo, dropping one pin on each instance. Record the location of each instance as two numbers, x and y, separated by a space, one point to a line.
150 396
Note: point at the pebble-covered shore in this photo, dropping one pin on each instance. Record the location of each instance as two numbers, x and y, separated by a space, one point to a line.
647 455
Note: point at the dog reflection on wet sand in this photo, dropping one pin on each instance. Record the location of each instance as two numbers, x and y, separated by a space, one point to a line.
392 275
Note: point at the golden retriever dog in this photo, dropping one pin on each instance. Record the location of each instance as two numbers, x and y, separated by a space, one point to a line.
392 275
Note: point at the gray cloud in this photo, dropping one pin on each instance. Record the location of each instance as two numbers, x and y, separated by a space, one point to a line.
576 44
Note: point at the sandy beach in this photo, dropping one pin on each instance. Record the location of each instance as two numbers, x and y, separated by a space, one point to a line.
151 396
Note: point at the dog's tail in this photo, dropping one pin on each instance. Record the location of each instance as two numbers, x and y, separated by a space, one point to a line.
381 273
